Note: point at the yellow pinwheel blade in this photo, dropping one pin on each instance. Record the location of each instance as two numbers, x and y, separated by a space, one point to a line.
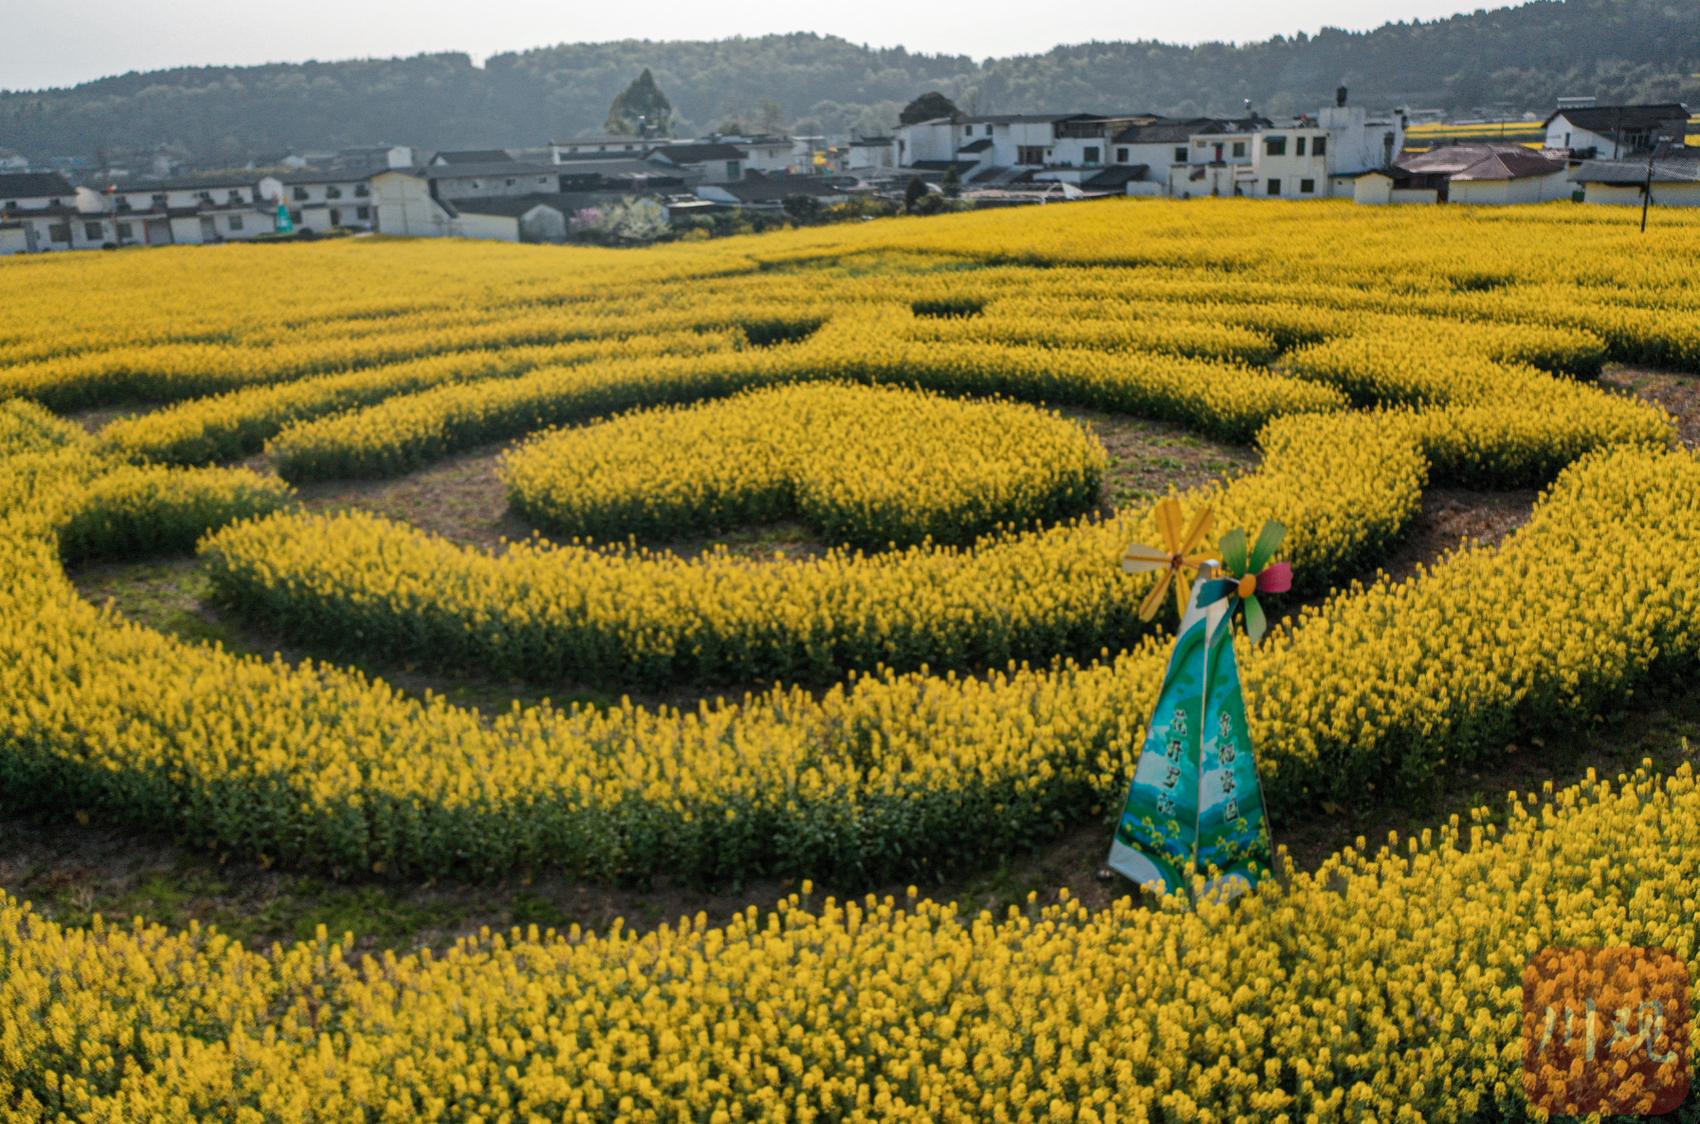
1182 593
1200 527
1140 558
1148 607
1169 523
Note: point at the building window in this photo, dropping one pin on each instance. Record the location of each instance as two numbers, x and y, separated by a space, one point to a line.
124 230
1299 146
510 181
299 194
1307 187
1121 156
362 213
59 232
333 192
295 217
1274 187
93 231
731 169
158 199
1091 152
235 222
361 191
1180 154
1239 149
235 195
1274 146
1029 154
1319 147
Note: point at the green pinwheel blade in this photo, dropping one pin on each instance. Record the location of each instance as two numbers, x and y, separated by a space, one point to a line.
1268 542
1256 624
1233 552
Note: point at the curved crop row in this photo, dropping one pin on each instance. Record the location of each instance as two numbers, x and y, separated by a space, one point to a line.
1388 985
867 466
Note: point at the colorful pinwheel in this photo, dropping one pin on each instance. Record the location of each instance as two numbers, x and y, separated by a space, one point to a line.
1174 556
1247 577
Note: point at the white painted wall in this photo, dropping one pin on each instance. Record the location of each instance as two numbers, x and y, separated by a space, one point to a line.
1664 194
404 206
1533 189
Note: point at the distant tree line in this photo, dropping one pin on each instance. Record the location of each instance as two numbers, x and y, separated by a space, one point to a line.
1523 58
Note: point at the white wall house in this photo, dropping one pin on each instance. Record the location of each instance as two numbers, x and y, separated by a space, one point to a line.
1676 181
1613 131
497 202
870 153
765 154
34 206
1467 173
322 201
1319 157
704 162
609 146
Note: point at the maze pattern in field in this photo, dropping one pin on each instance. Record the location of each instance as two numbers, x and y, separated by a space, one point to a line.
935 704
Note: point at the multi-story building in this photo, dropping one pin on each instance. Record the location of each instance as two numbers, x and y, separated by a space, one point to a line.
322 201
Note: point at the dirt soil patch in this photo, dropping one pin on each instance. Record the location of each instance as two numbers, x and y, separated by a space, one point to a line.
1678 392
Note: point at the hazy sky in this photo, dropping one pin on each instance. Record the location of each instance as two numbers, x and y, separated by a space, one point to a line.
54 43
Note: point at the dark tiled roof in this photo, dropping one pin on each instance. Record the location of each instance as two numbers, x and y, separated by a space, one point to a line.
977 145
697 153
1670 169
237 180
779 188
1448 159
326 175
610 138
472 171
473 156
943 165
28 185
1017 118
620 166
515 206
1116 175
1511 166
1605 118
1168 131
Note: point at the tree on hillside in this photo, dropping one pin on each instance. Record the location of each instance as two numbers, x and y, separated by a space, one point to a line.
641 108
926 107
770 118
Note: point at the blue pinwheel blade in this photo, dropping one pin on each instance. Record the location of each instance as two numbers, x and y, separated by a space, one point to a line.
1214 590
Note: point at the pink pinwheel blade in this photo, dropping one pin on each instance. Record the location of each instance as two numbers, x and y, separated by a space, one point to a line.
1277 579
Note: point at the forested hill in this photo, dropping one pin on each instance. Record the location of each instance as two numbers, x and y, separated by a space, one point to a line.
1524 56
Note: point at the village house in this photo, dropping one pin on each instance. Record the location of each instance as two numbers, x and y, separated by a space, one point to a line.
600 147
1467 173
37 210
470 156
1614 131
871 153
1674 176
702 162
322 201
496 200
770 192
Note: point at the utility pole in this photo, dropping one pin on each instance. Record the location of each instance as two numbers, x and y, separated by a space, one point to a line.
1647 190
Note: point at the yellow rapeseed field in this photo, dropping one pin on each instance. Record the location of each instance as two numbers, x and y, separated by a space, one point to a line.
961 676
